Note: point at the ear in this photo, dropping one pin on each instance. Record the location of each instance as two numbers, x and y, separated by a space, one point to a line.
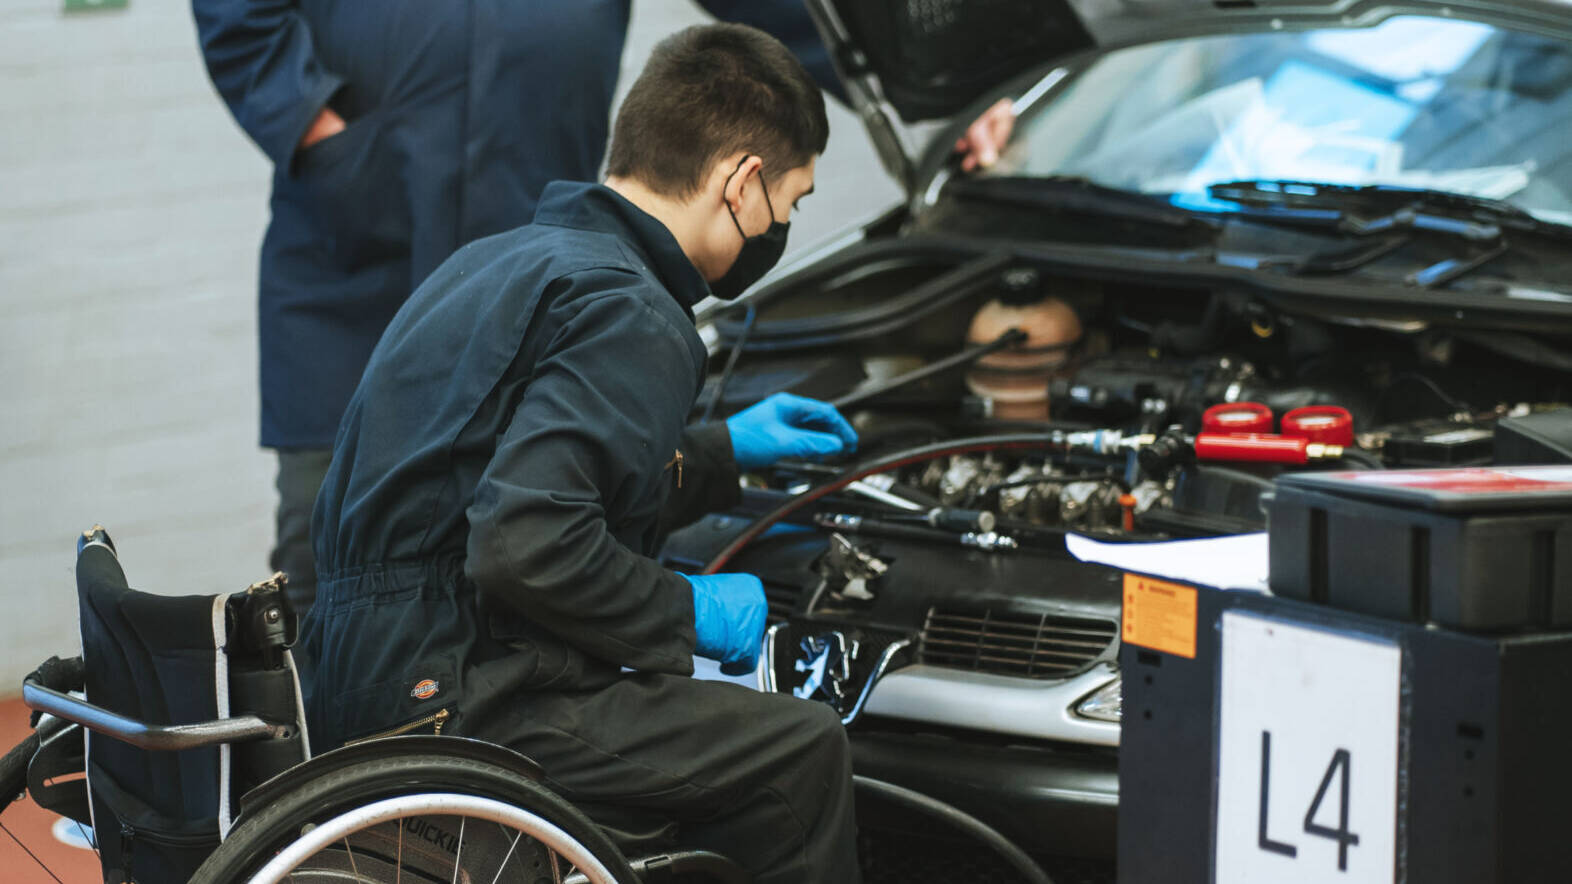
736 172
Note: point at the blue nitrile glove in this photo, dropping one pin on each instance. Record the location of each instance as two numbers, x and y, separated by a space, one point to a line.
788 426
728 616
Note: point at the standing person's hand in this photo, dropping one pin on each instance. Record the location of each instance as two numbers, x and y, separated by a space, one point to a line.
327 124
784 425
728 617
986 136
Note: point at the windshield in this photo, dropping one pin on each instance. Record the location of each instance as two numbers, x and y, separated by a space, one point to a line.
1413 102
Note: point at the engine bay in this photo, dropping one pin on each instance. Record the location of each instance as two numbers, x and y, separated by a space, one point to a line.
912 347
1001 405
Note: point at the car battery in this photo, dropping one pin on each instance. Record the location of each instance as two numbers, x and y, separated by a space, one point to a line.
1482 548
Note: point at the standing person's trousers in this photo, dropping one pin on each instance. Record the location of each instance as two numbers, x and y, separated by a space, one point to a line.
300 473
762 778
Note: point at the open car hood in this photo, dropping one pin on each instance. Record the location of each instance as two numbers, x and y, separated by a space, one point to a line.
929 59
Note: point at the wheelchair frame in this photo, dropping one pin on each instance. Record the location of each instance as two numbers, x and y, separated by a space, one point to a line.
552 822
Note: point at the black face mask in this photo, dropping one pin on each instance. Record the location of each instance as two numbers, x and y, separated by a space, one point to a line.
759 253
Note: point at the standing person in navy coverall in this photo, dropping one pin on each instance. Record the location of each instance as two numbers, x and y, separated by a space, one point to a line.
400 130
518 446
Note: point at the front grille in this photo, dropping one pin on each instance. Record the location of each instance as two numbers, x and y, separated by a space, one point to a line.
1009 642
781 598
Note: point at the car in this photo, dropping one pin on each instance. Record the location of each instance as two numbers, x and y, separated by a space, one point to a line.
1226 240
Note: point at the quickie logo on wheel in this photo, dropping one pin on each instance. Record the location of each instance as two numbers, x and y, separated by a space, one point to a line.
424 689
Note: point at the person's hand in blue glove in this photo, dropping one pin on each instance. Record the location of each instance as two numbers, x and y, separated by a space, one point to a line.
788 426
728 616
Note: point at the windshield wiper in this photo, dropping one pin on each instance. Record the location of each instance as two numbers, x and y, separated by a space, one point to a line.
1077 194
1364 210
1397 213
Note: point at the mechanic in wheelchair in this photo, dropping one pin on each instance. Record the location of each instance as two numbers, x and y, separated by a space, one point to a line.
517 448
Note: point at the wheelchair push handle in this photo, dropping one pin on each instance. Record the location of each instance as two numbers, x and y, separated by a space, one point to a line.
172 737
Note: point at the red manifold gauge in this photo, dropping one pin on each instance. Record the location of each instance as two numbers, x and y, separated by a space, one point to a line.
1327 424
1237 417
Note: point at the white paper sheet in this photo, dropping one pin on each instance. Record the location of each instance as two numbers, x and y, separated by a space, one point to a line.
1236 562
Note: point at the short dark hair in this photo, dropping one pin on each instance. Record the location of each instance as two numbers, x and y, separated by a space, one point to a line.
707 92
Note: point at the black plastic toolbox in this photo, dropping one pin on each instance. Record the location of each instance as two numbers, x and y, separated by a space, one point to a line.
1481 548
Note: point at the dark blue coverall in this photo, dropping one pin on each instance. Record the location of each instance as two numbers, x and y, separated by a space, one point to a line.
458 112
503 474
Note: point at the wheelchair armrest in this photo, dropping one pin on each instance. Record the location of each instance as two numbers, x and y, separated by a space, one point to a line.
171 737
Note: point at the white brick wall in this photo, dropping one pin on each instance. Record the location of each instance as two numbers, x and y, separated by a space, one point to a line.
131 208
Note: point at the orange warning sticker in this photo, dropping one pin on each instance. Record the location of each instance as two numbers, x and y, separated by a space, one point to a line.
1159 615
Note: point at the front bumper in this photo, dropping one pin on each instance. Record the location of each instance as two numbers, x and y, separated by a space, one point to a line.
1051 799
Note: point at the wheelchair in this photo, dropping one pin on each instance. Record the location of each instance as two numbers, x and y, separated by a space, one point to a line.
192 737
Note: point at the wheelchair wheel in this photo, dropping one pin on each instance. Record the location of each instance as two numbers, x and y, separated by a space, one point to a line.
416 819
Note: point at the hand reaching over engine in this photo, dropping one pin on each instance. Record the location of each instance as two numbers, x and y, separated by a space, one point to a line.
784 425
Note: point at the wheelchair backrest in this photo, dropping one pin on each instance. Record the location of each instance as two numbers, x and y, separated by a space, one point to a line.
168 660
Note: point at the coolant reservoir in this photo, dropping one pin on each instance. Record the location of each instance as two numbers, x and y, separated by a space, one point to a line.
1016 380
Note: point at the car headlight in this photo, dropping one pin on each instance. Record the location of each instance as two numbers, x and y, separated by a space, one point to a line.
1103 704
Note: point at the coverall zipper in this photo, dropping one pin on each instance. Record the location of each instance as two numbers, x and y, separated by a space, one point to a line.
438 719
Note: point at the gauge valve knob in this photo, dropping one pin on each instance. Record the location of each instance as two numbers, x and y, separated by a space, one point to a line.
1237 417
1327 424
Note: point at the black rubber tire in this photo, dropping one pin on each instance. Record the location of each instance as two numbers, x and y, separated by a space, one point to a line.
257 837
13 770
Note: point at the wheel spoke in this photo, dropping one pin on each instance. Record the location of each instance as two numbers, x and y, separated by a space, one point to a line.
459 854
511 848
92 842
398 869
349 850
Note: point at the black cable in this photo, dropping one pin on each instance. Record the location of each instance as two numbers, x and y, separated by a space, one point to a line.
1234 475
731 362
892 314
955 360
31 854
1446 398
1028 441
893 529
960 819
1361 459
899 489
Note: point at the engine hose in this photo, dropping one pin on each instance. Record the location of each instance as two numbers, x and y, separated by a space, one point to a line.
731 362
1233 475
1360 459
1030 441
855 398
960 819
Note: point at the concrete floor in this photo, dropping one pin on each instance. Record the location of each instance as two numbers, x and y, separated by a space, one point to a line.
131 209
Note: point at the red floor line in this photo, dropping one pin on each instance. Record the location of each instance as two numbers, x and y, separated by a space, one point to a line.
32 825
